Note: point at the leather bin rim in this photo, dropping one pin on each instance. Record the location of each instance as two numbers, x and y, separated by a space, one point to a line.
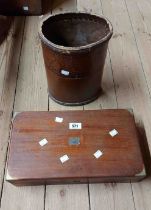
69 50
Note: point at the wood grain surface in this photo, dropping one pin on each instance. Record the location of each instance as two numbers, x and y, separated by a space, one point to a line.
126 84
30 163
31 94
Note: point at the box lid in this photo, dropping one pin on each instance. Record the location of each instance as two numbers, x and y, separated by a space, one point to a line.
59 147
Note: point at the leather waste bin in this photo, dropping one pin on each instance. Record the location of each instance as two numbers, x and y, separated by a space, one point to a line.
74 49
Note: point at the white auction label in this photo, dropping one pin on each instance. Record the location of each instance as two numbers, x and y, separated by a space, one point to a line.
113 133
64 72
98 154
75 126
43 142
64 158
25 8
59 119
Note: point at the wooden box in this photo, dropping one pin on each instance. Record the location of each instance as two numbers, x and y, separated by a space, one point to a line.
20 7
68 156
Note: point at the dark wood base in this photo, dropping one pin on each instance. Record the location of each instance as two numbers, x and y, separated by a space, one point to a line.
5 24
20 7
76 181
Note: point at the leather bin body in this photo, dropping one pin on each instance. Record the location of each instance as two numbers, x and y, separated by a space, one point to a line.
84 82
74 49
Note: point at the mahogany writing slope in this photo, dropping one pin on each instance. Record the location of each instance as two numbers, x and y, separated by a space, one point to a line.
74 147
